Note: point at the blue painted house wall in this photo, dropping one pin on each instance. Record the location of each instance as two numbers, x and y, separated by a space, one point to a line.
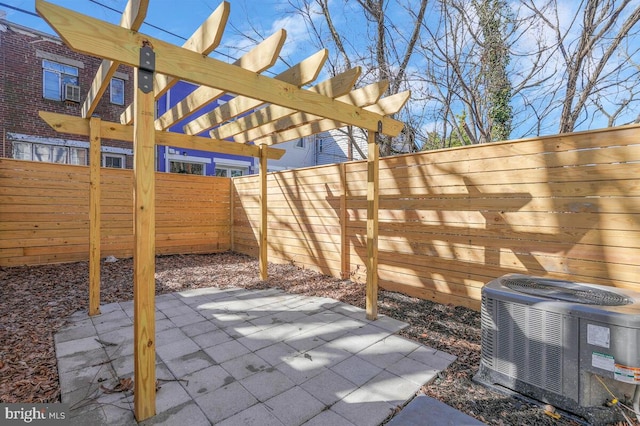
211 160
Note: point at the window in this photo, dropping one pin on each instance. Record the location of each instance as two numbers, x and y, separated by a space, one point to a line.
116 91
186 167
54 77
300 143
113 160
320 145
49 153
230 171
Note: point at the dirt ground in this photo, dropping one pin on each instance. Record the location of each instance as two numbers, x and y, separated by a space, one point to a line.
34 302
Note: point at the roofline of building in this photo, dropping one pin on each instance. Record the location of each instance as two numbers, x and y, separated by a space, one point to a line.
30 30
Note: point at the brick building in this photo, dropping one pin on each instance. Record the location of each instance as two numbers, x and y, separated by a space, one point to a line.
39 73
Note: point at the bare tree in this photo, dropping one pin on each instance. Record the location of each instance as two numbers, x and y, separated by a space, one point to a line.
600 72
466 54
388 44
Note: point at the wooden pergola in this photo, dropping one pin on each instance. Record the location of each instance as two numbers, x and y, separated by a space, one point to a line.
276 109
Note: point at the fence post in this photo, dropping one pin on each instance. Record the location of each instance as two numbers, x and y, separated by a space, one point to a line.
372 226
263 214
344 242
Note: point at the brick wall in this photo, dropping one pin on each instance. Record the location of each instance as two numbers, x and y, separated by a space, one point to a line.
21 81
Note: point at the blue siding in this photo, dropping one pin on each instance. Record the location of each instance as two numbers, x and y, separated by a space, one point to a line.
173 96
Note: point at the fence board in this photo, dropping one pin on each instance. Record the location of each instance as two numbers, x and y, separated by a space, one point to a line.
44 213
451 220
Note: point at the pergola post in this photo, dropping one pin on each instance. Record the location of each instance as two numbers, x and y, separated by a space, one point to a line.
372 226
263 214
144 346
94 215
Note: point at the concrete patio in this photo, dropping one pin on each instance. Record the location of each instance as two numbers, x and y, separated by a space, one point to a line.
245 357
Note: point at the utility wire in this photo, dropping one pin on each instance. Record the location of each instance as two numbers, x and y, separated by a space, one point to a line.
20 10
119 12
144 23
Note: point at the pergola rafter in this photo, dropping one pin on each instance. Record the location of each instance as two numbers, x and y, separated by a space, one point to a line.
258 59
365 96
300 74
389 106
287 111
332 88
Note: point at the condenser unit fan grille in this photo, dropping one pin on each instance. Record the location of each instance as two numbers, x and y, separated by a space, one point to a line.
566 291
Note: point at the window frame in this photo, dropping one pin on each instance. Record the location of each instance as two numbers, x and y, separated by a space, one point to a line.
178 160
65 74
229 171
71 153
113 92
121 157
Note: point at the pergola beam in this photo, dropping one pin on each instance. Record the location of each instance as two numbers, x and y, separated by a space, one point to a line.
389 105
300 74
132 18
204 40
94 37
258 59
332 88
80 126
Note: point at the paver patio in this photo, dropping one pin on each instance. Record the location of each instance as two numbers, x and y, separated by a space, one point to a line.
244 357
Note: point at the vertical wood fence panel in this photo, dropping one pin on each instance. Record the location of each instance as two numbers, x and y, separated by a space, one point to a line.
44 213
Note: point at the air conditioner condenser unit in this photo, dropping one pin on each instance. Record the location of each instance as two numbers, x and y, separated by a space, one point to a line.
563 343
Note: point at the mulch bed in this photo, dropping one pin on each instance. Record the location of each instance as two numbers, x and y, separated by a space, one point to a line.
35 300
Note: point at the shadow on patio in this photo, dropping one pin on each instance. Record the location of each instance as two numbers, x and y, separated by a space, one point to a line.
236 356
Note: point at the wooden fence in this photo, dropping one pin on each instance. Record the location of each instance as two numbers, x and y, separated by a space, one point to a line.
452 220
44 213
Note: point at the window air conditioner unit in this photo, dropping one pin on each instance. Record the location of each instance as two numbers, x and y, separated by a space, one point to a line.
562 343
71 93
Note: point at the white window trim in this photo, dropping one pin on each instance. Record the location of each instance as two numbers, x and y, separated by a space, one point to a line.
121 156
21 137
188 158
238 164
60 59
171 156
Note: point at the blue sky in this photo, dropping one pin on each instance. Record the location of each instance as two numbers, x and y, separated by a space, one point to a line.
184 17
263 17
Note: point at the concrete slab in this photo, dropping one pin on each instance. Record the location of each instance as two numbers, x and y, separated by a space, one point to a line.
295 406
241 357
426 411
